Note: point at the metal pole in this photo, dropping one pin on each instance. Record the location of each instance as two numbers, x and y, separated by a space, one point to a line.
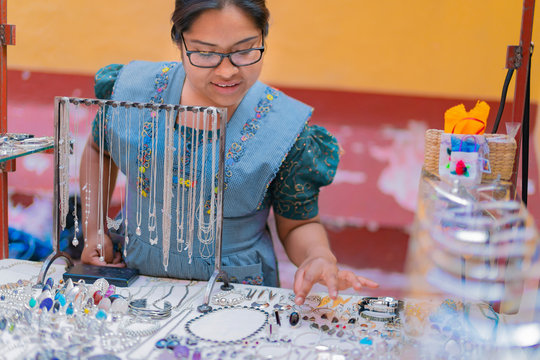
521 80
7 37
218 272
3 129
59 105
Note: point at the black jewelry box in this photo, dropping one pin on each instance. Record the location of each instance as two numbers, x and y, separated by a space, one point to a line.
121 277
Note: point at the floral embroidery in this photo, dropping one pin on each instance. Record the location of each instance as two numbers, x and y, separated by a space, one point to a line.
237 149
257 280
143 159
248 280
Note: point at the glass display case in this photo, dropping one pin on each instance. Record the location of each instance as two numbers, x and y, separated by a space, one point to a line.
475 249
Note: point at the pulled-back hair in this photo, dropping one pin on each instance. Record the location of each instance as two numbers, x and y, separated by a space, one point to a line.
187 11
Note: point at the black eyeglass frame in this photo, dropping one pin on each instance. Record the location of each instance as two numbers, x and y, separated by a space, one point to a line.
223 55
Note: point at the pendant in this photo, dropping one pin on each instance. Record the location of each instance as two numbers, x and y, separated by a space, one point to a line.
113 224
257 305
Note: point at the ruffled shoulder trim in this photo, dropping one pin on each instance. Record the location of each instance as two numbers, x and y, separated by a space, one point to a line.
105 79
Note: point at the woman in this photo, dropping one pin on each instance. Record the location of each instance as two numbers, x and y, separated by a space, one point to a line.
283 162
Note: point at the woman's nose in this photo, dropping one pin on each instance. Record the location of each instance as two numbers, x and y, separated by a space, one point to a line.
226 69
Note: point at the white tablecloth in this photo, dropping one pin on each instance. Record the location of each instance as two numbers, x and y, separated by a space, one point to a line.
83 336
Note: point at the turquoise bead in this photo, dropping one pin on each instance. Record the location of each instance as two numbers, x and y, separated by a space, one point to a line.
101 315
32 302
366 341
70 309
162 343
61 299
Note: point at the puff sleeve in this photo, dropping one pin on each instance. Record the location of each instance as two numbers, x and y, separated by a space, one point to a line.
311 163
103 87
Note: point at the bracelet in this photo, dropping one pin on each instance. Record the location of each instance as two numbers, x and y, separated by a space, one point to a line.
379 317
137 308
380 304
316 336
271 348
380 308
221 298
339 344
150 329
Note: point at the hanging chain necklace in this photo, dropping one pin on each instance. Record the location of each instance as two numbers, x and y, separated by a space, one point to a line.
114 119
128 145
181 161
75 241
101 215
88 192
206 232
140 169
152 220
64 145
193 180
167 185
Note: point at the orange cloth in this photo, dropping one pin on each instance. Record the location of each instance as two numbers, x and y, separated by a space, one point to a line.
457 120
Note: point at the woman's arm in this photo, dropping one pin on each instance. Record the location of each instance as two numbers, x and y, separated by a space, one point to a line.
307 246
89 180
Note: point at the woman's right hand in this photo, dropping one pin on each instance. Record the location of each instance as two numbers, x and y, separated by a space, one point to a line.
91 253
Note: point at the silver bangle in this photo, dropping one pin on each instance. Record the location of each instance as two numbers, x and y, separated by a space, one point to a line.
260 351
148 328
380 308
378 316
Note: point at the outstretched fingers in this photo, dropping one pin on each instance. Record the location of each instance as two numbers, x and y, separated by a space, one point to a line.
349 279
315 272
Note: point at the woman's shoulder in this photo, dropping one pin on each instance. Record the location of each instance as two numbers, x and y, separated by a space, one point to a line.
315 155
311 163
315 136
106 77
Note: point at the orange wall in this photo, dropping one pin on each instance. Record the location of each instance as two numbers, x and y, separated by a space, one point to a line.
426 47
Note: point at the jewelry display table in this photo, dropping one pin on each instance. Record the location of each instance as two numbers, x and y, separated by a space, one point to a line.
156 318
11 149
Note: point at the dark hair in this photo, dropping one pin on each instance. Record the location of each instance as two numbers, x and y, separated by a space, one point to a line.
187 11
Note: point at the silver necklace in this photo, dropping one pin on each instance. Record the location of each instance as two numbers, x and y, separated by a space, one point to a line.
64 144
152 219
75 241
207 228
113 223
101 233
181 159
140 168
87 193
193 180
128 145
167 185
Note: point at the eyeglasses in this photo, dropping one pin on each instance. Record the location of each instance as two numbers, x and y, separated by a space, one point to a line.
210 59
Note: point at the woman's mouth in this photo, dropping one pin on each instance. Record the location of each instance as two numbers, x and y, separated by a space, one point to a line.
226 87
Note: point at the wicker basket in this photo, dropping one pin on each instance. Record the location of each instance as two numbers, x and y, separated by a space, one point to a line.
502 150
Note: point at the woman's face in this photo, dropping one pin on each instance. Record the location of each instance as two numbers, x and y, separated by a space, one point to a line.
224 31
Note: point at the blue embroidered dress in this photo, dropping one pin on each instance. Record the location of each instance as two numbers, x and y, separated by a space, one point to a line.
273 159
